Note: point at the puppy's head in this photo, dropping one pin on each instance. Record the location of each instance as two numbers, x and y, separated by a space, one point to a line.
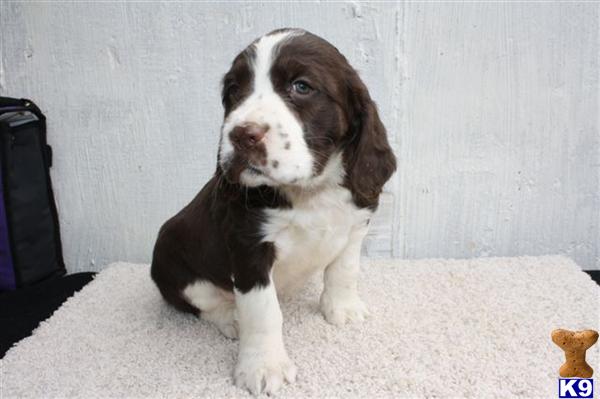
292 102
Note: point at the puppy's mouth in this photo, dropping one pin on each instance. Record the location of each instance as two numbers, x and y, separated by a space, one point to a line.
238 169
254 170
234 165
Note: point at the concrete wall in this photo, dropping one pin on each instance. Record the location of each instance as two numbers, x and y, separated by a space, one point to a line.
492 110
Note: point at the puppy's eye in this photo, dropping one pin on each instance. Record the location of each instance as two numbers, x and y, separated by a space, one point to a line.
301 87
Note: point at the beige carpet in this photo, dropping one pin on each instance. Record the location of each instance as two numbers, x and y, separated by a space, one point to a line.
438 328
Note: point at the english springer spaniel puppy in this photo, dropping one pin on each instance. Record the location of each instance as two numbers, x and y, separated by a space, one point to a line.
303 157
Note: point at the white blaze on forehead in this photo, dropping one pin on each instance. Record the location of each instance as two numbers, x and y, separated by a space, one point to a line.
288 158
265 53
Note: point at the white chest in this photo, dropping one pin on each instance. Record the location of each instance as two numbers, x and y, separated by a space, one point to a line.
311 234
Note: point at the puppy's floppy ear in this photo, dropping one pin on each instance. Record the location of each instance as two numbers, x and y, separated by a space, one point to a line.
368 157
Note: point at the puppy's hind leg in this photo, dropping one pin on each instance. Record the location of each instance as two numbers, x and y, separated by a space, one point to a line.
216 305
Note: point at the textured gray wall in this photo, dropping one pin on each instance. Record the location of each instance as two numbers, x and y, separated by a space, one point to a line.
492 110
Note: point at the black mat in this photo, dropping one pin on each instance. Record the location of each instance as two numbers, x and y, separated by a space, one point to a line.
594 274
21 311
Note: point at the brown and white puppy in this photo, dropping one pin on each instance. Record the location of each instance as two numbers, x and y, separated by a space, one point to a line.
302 160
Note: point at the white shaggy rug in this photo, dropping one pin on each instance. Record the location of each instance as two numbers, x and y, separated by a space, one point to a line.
438 328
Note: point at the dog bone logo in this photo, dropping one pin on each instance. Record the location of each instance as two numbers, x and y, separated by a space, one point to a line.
575 343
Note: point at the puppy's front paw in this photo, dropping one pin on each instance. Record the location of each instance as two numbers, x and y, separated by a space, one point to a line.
338 310
264 372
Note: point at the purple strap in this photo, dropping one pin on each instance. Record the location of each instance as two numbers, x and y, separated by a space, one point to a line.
7 271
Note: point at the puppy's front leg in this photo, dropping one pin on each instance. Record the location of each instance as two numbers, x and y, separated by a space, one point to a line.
263 364
339 301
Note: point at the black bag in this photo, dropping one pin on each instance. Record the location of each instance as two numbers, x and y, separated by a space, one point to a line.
30 248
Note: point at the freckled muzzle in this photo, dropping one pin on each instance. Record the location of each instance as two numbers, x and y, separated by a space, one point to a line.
247 141
267 152
249 152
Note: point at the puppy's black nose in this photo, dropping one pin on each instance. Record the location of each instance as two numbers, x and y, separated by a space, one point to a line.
247 135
